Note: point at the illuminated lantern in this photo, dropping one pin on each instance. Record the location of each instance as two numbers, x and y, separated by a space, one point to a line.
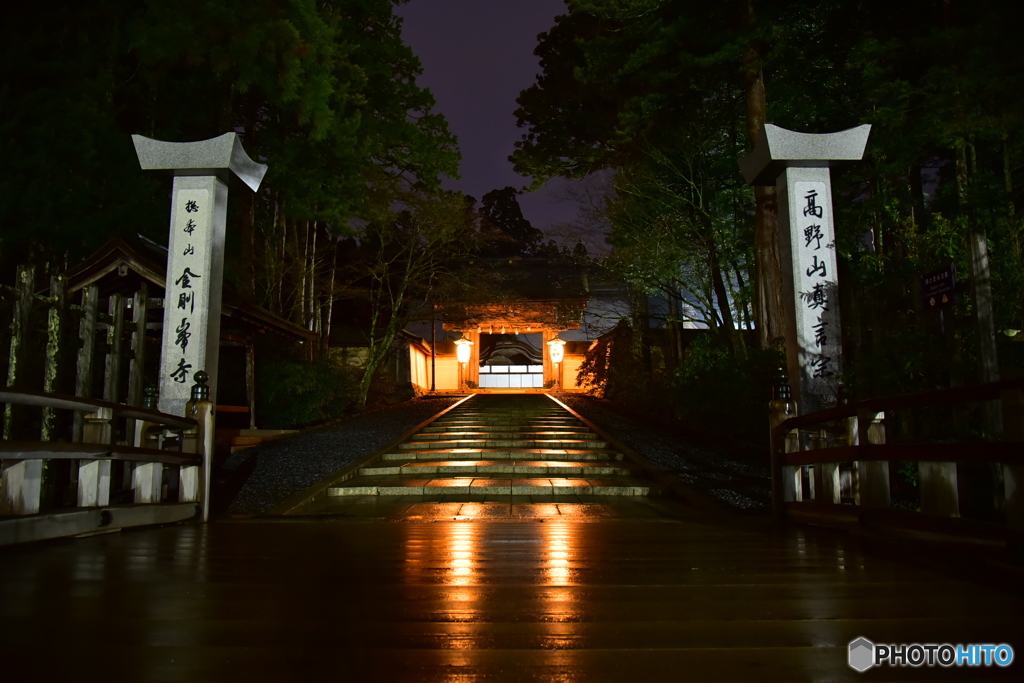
462 350
556 349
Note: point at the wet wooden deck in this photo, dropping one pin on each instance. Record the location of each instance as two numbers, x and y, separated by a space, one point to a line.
550 598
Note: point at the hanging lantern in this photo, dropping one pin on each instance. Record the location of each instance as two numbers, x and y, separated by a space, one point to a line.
556 350
462 350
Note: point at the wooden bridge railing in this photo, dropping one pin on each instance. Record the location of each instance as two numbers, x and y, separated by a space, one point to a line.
147 465
832 467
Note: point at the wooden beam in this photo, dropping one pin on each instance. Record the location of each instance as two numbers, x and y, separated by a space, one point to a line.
22 481
87 335
19 331
115 334
136 370
60 401
62 450
975 451
54 336
73 523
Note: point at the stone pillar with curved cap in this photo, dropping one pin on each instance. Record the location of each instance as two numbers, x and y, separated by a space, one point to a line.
195 259
798 164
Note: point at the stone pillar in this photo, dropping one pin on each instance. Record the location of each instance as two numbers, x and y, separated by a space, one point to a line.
798 165
195 259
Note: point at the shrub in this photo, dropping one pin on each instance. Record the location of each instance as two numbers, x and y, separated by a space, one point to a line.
299 393
719 391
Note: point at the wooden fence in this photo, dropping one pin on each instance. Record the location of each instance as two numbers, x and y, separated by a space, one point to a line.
833 467
72 463
73 347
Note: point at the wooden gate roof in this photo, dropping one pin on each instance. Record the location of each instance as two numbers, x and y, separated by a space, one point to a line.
553 315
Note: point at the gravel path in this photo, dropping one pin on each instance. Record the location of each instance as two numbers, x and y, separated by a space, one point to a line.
284 467
739 485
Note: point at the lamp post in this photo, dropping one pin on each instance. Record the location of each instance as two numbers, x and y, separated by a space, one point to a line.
462 353
556 351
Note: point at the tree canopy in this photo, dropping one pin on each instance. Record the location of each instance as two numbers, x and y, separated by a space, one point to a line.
321 91
669 93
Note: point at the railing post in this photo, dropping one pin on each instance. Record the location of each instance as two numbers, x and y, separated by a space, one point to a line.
1013 475
94 475
83 367
940 495
872 475
22 486
147 478
20 331
849 482
826 482
136 367
22 479
781 408
195 480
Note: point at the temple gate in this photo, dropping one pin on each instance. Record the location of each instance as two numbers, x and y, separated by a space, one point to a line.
511 346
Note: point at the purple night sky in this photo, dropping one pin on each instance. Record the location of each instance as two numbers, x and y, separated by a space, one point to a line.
477 56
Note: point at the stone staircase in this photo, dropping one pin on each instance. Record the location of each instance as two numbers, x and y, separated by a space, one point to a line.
497 447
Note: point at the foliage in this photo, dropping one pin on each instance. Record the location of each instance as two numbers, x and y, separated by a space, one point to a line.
300 393
412 249
712 390
614 368
324 93
660 91
506 230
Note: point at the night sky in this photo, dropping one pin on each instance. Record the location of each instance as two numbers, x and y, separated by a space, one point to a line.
477 56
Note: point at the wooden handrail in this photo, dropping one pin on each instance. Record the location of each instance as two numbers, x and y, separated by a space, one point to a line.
859 437
93 456
41 450
978 392
87 405
973 451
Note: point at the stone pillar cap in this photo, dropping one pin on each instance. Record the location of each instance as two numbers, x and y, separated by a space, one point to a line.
216 154
778 149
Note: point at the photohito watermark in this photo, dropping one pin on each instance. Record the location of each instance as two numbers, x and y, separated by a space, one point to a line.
864 654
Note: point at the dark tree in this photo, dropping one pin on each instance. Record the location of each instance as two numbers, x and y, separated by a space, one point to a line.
512 233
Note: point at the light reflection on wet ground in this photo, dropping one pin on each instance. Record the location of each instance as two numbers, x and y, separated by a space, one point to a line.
579 512
543 598
456 556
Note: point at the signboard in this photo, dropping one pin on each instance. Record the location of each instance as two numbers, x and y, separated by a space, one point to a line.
937 287
188 294
818 340
195 256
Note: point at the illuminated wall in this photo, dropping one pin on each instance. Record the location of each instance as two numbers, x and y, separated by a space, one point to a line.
419 369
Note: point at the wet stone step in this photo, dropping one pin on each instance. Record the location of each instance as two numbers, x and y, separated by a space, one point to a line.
559 444
492 487
457 417
492 426
503 454
498 424
566 468
437 436
484 449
